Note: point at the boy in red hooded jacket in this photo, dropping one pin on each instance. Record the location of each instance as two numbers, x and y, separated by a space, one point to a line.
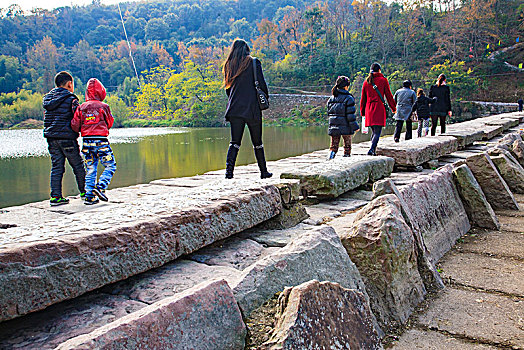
93 119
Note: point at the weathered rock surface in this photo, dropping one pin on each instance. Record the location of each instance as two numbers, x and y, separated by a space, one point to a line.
333 178
290 216
323 315
204 317
518 151
75 254
419 150
464 136
425 263
315 254
493 185
382 246
511 172
437 212
479 211
49 328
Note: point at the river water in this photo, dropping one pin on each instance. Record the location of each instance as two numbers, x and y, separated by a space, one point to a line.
143 155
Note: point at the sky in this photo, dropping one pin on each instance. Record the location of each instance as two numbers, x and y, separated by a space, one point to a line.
51 4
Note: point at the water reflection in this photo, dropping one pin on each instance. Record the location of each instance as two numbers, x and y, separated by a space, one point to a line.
144 155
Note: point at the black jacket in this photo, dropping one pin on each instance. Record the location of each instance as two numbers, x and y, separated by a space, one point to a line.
242 97
443 104
59 105
341 111
421 106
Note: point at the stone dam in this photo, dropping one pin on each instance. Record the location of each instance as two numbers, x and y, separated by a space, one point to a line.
420 247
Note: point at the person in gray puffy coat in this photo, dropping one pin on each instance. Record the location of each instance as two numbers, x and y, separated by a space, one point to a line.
405 98
342 119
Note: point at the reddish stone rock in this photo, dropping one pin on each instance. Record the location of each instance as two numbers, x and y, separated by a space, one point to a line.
382 246
204 317
323 315
495 188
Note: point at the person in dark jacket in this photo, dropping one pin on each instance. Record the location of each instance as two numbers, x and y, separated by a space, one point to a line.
421 107
243 106
60 104
442 107
371 106
521 104
405 99
93 119
342 120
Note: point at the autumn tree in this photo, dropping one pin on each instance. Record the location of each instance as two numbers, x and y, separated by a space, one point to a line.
42 59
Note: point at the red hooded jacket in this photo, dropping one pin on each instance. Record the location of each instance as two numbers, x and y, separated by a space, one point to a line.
371 105
93 117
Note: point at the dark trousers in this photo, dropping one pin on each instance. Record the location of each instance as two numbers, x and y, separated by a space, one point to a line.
237 131
60 150
434 120
409 129
376 130
335 142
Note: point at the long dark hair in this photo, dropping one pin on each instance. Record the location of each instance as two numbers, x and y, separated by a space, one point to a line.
441 79
375 67
342 82
237 62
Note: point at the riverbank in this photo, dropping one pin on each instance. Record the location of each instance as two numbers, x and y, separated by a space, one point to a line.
319 221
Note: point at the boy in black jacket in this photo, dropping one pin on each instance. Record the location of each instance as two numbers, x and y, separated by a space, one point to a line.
421 106
60 105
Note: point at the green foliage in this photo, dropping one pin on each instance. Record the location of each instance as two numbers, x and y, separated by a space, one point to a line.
458 76
16 107
119 110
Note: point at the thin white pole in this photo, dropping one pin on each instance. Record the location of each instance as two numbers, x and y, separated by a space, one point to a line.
129 46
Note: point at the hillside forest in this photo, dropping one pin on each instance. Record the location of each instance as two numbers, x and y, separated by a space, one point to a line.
179 46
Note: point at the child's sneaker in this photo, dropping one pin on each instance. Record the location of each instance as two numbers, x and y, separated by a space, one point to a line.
82 195
90 200
100 193
56 201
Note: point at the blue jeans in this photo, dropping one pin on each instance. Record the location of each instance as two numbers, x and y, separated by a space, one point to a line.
376 130
60 150
95 151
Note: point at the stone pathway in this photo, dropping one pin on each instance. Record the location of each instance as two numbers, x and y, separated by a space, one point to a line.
482 306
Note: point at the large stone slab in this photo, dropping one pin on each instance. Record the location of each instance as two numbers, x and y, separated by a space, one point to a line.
464 136
493 185
382 246
436 211
418 150
518 150
511 172
479 211
84 251
314 254
333 178
49 328
489 318
204 317
323 315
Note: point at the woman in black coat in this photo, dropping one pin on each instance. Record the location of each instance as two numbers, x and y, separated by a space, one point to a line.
442 107
242 105
342 120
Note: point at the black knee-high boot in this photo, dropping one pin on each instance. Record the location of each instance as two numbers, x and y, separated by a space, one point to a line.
231 158
261 160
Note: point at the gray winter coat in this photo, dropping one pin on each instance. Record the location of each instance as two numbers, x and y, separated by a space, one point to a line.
405 99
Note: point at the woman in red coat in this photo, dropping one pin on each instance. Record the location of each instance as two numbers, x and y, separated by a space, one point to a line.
371 106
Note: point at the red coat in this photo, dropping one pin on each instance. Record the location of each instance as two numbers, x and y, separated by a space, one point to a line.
93 117
371 105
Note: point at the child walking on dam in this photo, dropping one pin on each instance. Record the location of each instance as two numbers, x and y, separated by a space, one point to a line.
342 120
93 119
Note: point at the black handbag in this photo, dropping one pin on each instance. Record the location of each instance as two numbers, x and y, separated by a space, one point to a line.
263 101
389 114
